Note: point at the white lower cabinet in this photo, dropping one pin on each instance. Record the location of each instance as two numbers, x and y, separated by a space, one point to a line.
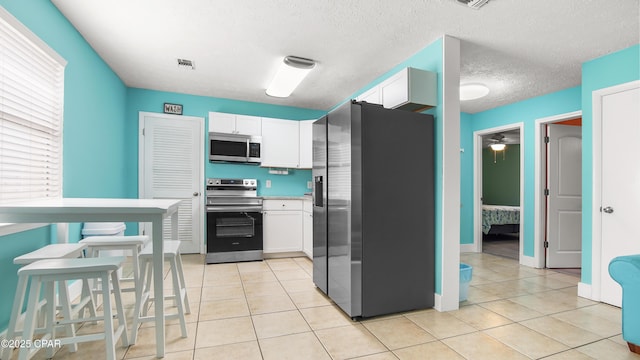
282 226
307 229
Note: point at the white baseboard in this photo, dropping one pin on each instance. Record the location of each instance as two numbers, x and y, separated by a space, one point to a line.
584 290
437 302
529 261
468 248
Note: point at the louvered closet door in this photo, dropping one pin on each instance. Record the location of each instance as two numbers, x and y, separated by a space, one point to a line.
173 154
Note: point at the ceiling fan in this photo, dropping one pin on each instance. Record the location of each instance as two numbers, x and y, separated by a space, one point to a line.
497 142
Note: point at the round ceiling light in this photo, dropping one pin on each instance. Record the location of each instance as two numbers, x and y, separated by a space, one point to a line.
473 91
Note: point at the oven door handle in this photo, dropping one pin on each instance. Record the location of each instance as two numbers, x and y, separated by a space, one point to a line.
231 208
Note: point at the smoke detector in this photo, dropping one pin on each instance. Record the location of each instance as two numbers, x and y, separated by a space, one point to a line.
474 4
184 63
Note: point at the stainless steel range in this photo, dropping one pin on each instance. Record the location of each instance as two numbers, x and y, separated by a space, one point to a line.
234 221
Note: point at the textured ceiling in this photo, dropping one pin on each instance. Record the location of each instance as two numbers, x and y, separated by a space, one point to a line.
518 48
505 137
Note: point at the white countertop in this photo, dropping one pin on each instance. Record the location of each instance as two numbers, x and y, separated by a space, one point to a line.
302 197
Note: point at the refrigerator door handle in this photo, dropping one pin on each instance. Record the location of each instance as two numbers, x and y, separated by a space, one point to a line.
318 191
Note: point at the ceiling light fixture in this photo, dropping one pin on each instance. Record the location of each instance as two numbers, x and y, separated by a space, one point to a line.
290 74
473 91
474 4
498 147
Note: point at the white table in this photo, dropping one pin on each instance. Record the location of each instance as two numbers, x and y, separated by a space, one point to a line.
69 210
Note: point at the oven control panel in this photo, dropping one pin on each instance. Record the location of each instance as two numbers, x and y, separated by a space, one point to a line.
232 188
232 182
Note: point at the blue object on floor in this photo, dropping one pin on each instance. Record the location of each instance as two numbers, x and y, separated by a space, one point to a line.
625 270
466 272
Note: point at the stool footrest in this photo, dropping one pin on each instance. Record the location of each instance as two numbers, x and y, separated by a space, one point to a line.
88 337
153 318
83 320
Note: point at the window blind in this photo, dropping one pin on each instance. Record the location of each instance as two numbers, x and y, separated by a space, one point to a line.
31 112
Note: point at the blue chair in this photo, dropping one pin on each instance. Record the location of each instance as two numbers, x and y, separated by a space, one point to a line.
626 271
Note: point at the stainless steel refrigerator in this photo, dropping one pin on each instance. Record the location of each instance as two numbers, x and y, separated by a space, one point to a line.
373 238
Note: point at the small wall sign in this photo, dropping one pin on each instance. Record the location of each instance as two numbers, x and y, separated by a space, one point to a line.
172 109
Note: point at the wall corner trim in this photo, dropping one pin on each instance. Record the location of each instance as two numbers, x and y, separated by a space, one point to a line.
450 240
584 290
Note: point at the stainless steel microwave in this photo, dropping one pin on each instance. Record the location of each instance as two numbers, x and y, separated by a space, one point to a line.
235 148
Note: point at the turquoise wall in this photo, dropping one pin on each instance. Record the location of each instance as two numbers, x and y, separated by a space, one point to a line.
94 103
12 246
614 69
526 111
466 179
294 184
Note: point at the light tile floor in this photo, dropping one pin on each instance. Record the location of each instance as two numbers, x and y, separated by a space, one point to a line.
271 310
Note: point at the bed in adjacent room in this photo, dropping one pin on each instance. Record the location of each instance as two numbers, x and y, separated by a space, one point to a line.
497 219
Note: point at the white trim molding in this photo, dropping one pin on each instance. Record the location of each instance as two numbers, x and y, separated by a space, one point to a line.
585 291
450 241
437 302
468 248
539 184
529 261
477 184
596 200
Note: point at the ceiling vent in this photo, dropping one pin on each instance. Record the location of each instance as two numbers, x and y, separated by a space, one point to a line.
184 63
474 4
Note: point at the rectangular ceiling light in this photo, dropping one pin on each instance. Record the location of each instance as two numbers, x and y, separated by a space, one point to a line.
290 74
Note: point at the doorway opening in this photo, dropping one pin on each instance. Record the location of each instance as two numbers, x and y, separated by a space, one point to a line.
498 190
558 200
171 166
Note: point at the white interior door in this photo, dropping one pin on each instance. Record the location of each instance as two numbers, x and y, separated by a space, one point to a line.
171 162
564 203
620 184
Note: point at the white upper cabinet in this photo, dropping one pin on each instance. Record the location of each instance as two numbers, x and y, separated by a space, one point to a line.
235 124
410 89
285 143
372 96
306 144
249 125
280 143
222 123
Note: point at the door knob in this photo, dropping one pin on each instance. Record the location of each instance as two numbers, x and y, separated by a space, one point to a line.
608 209
195 193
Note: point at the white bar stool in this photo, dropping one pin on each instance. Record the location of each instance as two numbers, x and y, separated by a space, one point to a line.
47 272
134 244
180 298
52 251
